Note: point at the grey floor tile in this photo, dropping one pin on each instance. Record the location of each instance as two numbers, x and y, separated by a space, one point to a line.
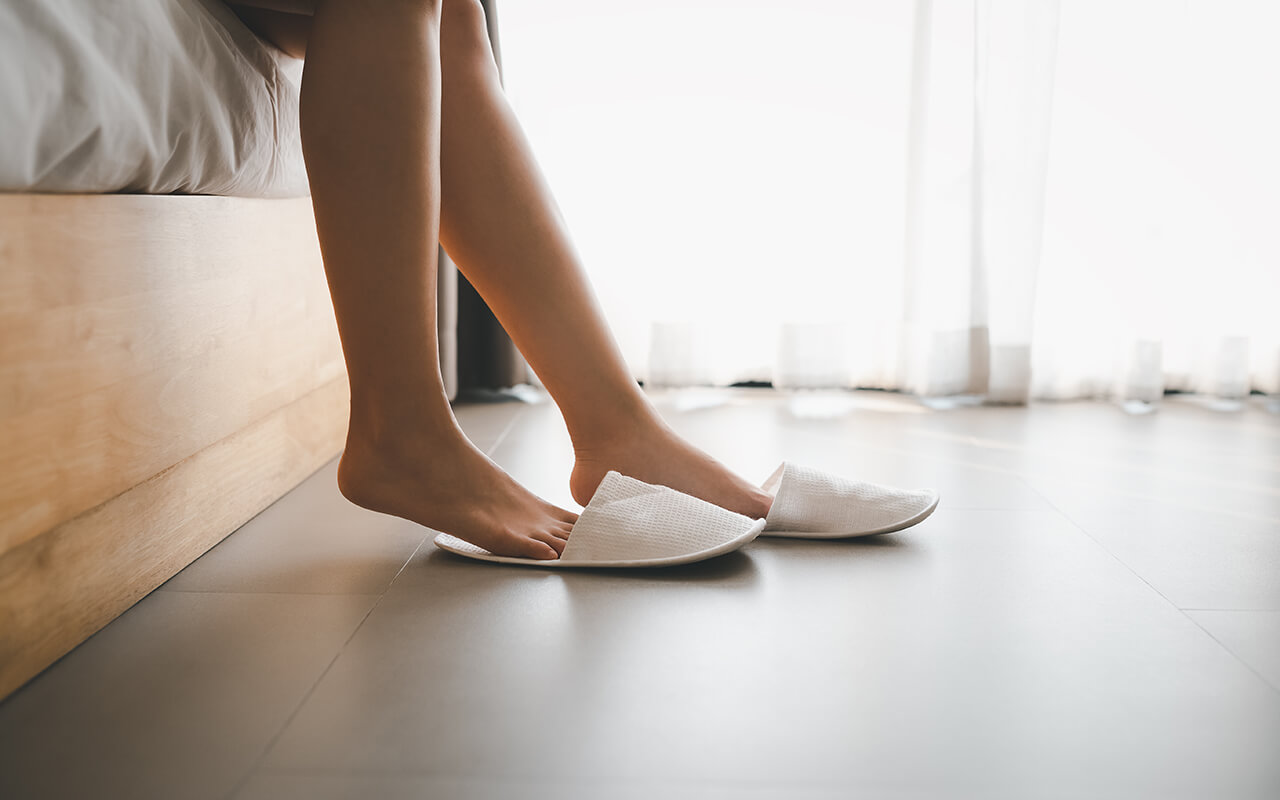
1254 637
538 453
1196 558
486 423
309 541
176 698
984 651
1188 455
390 786
1198 489
1025 641
1198 457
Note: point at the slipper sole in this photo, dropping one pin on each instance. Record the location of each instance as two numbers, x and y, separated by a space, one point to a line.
457 546
630 523
897 526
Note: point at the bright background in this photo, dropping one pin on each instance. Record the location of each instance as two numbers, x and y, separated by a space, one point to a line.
736 176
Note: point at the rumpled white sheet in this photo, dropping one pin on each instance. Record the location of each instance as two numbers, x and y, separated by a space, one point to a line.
146 96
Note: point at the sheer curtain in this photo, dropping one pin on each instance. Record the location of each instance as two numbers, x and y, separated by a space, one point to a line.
1161 260
1000 198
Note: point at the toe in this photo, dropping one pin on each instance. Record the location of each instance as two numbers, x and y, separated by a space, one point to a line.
552 540
541 550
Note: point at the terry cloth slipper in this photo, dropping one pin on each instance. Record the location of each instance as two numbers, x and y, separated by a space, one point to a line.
629 523
811 504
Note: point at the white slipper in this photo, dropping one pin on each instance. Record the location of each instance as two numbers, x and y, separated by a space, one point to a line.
629 523
811 504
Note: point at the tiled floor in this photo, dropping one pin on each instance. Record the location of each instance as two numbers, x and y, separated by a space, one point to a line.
1094 611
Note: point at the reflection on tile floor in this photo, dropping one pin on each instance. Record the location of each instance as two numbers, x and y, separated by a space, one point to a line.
1092 612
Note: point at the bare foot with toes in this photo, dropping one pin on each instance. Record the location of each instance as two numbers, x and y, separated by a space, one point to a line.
451 486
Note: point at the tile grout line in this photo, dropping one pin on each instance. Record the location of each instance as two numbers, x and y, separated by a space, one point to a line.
1159 593
1233 653
284 726
240 784
506 429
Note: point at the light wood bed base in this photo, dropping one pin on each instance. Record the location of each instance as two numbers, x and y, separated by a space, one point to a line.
169 366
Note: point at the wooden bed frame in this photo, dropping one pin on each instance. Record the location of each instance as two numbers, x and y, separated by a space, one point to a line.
169 366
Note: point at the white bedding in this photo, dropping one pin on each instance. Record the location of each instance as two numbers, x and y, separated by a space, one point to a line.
151 96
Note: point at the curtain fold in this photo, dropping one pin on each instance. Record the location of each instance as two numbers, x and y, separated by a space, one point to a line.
981 99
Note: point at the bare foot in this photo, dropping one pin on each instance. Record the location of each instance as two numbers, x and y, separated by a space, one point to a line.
653 453
451 486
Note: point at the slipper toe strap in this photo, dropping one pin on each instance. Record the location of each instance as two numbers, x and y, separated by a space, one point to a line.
628 520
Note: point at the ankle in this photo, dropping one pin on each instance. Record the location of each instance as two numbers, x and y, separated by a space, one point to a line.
379 427
374 472
615 428
403 446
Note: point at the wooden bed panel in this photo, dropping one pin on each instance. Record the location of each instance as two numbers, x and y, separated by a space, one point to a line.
135 331
63 586
168 367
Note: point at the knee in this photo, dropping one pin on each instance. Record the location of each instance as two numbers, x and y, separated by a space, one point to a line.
464 33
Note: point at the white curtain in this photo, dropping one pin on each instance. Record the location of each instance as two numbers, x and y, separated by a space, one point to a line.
1000 198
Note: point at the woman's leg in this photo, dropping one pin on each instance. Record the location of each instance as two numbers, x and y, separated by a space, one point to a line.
371 136
500 224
